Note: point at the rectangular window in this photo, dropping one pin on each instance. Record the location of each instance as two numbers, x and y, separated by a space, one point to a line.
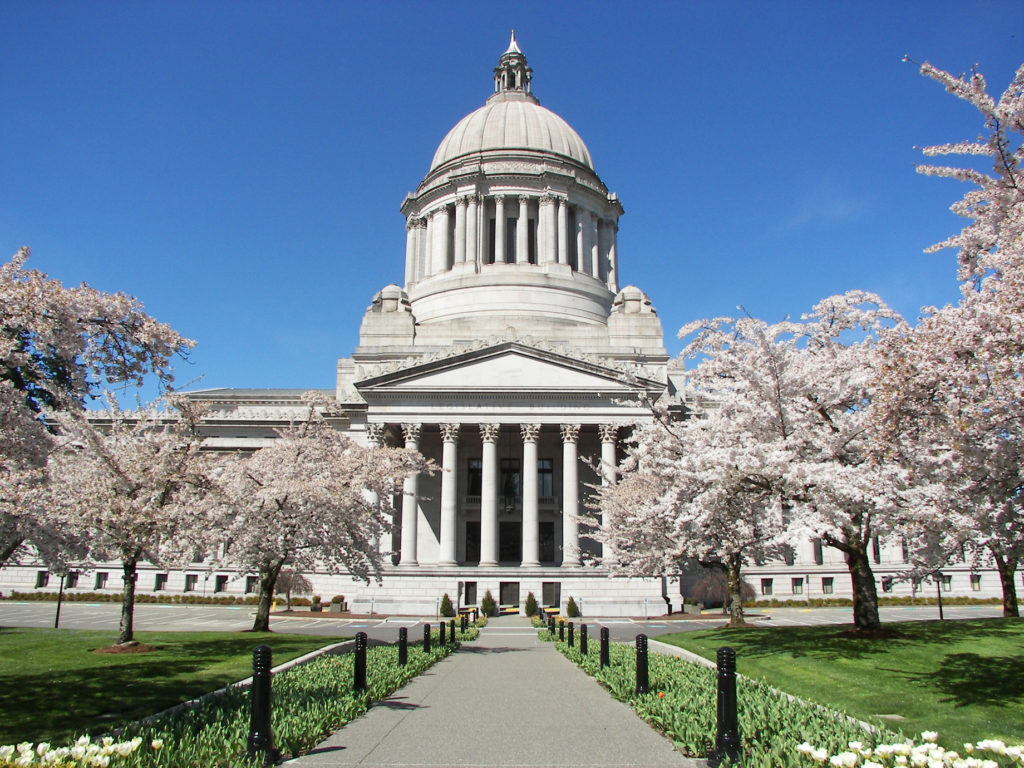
42 579
220 584
798 586
190 582
551 593
947 582
819 552
887 583
472 541
826 585
915 584
101 580
160 583
510 483
252 584
510 542
71 582
508 592
474 477
546 543
469 597
510 240
489 257
976 582
766 586
532 241
545 478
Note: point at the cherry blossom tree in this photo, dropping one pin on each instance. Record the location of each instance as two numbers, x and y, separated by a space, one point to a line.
951 402
60 346
136 485
778 449
311 499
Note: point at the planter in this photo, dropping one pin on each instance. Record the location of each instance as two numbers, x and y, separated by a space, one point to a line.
339 608
692 609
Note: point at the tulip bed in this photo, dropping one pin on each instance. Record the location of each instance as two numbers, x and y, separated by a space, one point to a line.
682 703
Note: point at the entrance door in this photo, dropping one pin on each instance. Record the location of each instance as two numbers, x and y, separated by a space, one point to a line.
547 542
472 541
510 542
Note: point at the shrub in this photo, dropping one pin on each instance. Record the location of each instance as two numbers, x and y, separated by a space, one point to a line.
446 606
487 606
531 604
571 609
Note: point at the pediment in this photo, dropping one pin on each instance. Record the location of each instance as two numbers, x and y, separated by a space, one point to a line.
508 367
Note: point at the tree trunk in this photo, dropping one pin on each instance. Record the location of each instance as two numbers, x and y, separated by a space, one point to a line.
1007 568
865 595
8 549
735 598
268 580
130 574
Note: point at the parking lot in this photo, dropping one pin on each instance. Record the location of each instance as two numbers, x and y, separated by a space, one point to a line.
204 618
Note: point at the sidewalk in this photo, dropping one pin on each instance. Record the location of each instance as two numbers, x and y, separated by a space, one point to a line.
506 699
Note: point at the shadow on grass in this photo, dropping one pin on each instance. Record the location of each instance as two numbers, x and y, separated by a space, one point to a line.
829 642
966 679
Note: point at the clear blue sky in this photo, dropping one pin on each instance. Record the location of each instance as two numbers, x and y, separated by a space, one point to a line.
239 166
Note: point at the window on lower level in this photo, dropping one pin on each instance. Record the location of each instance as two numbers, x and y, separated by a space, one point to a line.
798 586
252 584
887 583
766 586
160 583
191 579
42 579
827 585
947 582
976 582
220 584
101 580
71 581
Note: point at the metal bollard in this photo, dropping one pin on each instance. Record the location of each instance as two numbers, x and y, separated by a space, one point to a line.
403 646
465 624
426 638
551 625
583 639
643 684
727 744
451 627
441 634
261 738
561 631
570 635
604 647
359 677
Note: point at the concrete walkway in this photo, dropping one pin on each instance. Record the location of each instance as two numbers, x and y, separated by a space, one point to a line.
506 699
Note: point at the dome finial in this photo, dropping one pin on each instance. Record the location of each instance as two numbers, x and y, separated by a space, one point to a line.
512 73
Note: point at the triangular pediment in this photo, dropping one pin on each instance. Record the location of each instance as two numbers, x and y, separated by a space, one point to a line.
507 367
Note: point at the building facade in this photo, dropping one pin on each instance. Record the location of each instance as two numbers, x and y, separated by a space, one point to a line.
512 358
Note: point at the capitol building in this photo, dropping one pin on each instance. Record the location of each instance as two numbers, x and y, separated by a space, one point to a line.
511 356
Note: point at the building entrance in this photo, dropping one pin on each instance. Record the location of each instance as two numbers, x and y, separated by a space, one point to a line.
510 542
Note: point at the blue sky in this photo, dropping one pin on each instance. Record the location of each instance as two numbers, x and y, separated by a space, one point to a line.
239 166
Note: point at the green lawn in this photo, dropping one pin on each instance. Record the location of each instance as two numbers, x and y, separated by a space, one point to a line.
964 679
53 688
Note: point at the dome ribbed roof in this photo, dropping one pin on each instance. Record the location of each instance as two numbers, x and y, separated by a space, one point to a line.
507 122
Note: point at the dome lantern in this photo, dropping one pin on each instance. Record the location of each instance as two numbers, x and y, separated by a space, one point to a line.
512 74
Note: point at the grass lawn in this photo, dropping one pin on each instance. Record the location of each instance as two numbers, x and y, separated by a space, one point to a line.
53 688
964 679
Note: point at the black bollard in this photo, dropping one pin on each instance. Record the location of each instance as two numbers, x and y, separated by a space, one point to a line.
551 625
561 631
426 638
441 634
403 646
261 739
604 647
643 684
727 744
583 639
570 635
465 624
451 627
359 675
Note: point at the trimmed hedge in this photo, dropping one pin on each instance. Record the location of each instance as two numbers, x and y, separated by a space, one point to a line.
187 598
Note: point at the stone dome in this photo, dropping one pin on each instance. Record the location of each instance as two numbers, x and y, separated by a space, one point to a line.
512 121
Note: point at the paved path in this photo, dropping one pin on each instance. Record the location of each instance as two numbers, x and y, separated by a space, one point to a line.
506 699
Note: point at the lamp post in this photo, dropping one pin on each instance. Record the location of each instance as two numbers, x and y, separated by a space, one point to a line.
939 576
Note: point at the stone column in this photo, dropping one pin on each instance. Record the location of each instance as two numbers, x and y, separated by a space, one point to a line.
375 438
410 250
499 229
472 231
428 247
410 501
460 230
439 246
449 490
595 249
523 231
531 516
570 496
609 471
581 240
489 495
613 256
563 231
547 235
